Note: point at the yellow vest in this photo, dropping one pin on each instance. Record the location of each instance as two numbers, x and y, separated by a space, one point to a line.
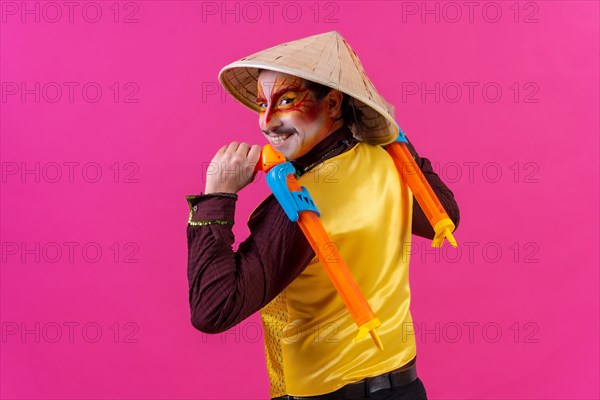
367 211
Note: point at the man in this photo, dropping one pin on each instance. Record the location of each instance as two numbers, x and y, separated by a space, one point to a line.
333 137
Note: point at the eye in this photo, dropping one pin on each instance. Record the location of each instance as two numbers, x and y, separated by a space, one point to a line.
283 100
262 105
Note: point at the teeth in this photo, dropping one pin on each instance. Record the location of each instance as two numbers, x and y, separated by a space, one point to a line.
280 139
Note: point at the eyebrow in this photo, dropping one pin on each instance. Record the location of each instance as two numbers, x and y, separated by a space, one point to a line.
280 92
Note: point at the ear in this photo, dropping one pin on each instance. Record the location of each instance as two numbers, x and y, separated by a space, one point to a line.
334 102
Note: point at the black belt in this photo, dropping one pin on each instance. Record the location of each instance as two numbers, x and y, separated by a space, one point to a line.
401 376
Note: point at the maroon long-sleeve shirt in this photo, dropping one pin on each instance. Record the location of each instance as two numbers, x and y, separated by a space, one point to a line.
227 286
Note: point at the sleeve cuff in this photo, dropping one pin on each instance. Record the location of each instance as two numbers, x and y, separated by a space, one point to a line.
212 208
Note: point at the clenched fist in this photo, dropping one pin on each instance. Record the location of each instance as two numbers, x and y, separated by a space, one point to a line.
232 168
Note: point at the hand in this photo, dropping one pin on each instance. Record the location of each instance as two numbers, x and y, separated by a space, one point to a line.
232 168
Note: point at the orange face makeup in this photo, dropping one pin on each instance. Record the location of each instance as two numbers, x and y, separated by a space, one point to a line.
288 95
291 118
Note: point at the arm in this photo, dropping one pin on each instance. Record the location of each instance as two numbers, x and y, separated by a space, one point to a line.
226 286
420 225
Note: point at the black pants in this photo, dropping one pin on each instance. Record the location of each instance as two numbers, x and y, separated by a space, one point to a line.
411 391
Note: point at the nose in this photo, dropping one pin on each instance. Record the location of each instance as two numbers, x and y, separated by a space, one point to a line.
269 120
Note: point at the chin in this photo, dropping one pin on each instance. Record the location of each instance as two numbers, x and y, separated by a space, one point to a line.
289 156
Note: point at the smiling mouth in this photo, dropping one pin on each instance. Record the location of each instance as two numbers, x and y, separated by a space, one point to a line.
280 138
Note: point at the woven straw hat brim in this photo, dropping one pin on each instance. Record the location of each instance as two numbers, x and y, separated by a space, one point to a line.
326 59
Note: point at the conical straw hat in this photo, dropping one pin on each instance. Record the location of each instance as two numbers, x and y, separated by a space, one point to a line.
326 59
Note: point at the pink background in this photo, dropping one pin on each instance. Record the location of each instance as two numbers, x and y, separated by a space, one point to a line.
528 287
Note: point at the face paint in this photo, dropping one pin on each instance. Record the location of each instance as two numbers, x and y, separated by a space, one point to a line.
291 118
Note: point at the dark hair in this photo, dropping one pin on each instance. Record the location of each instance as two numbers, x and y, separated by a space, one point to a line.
350 114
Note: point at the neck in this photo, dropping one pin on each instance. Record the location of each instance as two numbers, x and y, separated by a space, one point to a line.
338 141
334 126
